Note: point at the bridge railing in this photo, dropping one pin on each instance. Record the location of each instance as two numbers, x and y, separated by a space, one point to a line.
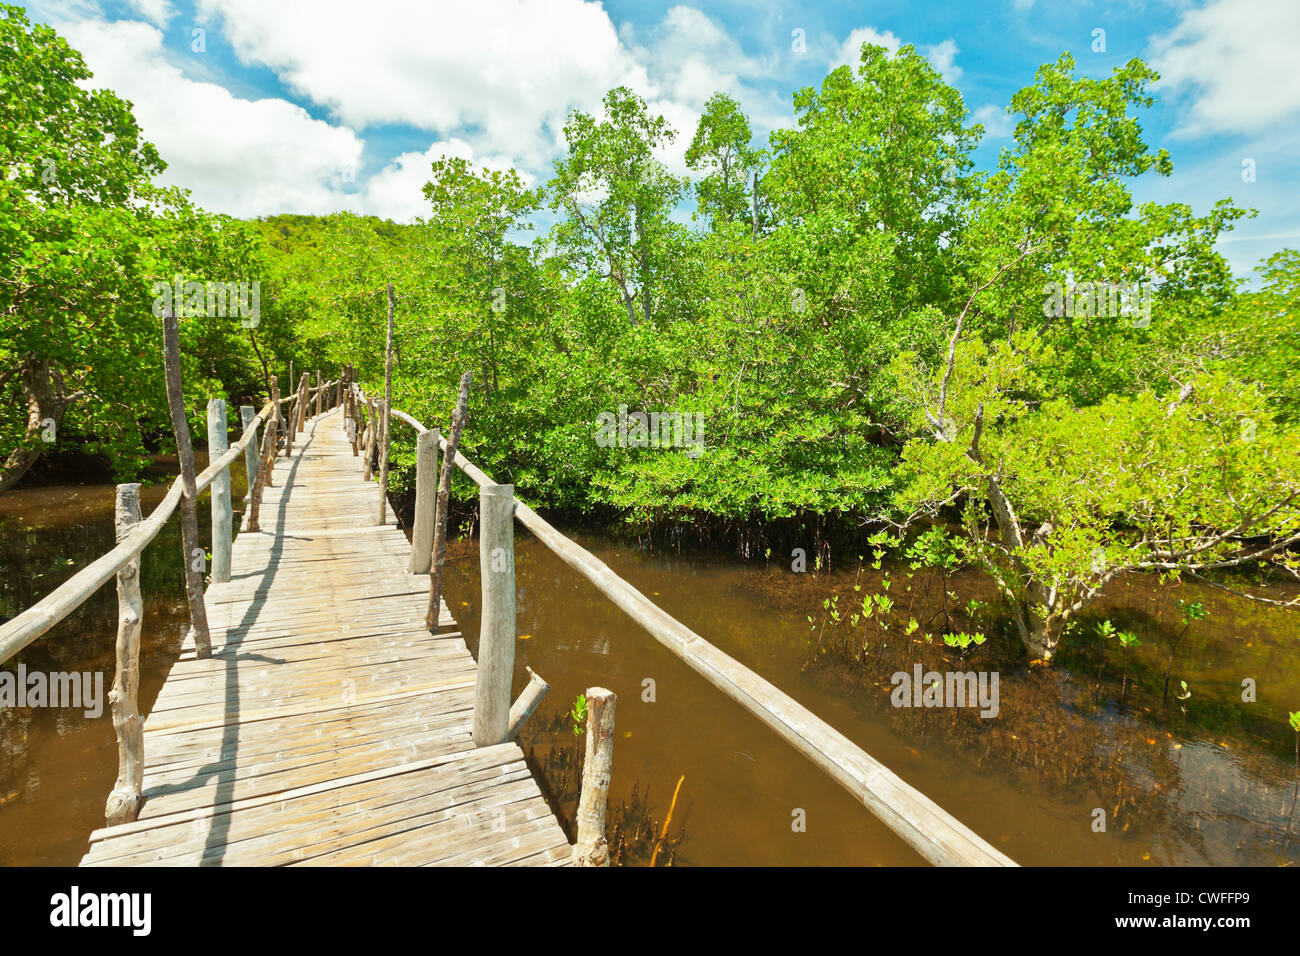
134 533
925 826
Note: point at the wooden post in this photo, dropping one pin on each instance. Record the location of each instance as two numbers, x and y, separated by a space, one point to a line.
440 511
287 426
385 425
124 801
189 513
222 516
496 635
278 421
426 491
320 394
591 848
371 428
526 702
251 457
304 397
267 468
354 416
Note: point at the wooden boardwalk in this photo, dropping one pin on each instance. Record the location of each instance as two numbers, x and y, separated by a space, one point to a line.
329 726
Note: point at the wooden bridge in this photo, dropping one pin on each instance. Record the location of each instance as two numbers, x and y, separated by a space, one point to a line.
329 726
326 723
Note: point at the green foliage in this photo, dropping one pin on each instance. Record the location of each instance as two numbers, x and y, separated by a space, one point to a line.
578 714
876 349
84 235
721 148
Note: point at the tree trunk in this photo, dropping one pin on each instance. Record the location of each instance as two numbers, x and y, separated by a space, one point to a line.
45 403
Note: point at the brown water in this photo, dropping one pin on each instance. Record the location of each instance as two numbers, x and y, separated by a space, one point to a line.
1213 786
57 766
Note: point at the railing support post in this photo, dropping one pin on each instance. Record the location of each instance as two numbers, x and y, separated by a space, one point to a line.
222 517
426 491
252 458
124 802
597 765
320 393
354 424
304 398
496 640
368 465
189 491
526 702
386 423
266 470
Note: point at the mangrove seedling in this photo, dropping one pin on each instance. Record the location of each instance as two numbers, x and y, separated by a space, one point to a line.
1127 639
1183 698
963 642
1294 720
1190 612
578 714
1105 630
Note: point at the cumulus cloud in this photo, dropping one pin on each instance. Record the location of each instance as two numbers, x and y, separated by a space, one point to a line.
238 156
396 191
157 12
501 73
997 122
1233 63
942 56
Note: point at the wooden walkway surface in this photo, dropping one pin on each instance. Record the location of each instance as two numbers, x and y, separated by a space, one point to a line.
329 727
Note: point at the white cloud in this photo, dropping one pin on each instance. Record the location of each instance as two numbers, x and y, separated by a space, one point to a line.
998 123
850 50
157 12
396 192
499 76
501 73
242 157
942 56
1234 60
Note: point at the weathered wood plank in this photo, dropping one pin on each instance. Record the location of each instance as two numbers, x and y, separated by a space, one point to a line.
328 726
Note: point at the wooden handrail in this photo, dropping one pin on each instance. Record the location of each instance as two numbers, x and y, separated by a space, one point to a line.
134 536
925 826
72 593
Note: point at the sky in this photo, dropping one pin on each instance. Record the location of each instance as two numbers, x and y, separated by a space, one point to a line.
314 106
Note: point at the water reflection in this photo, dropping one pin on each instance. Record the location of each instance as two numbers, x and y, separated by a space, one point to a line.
1212 786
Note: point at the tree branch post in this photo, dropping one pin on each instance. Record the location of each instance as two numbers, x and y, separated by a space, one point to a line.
444 493
592 849
385 424
426 491
267 468
252 460
127 794
194 560
496 636
222 509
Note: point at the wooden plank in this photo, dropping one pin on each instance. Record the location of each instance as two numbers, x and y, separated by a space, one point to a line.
329 726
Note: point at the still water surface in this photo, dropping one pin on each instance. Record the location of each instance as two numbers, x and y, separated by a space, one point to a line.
1212 786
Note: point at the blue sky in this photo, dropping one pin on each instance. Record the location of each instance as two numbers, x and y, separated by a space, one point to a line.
318 105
